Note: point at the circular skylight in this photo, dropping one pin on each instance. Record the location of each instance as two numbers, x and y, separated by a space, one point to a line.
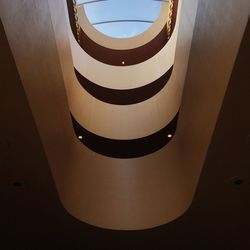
122 18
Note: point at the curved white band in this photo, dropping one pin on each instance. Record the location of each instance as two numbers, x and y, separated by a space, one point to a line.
125 77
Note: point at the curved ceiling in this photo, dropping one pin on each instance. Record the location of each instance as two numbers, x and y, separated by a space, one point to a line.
122 19
215 200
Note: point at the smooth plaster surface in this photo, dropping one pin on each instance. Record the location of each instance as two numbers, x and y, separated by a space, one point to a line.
45 91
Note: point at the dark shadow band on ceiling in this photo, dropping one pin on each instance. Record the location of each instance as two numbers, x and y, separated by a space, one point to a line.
126 148
124 96
121 57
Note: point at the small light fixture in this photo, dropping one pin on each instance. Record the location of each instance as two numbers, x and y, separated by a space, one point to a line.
170 135
80 137
123 62
237 180
17 184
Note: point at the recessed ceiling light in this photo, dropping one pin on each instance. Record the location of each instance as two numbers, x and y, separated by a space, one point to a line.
170 135
17 184
238 182
80 137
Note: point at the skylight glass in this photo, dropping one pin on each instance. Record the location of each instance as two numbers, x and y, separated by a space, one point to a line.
122 18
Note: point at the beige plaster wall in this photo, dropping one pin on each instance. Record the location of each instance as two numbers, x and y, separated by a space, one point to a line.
135 193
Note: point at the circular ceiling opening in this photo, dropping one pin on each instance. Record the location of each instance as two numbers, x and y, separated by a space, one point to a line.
122 18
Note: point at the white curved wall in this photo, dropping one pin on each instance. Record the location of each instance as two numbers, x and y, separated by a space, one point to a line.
113 193
136 193
125 77
126 121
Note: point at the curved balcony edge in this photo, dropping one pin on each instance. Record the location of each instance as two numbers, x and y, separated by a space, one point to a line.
124 96
126 148
121 57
